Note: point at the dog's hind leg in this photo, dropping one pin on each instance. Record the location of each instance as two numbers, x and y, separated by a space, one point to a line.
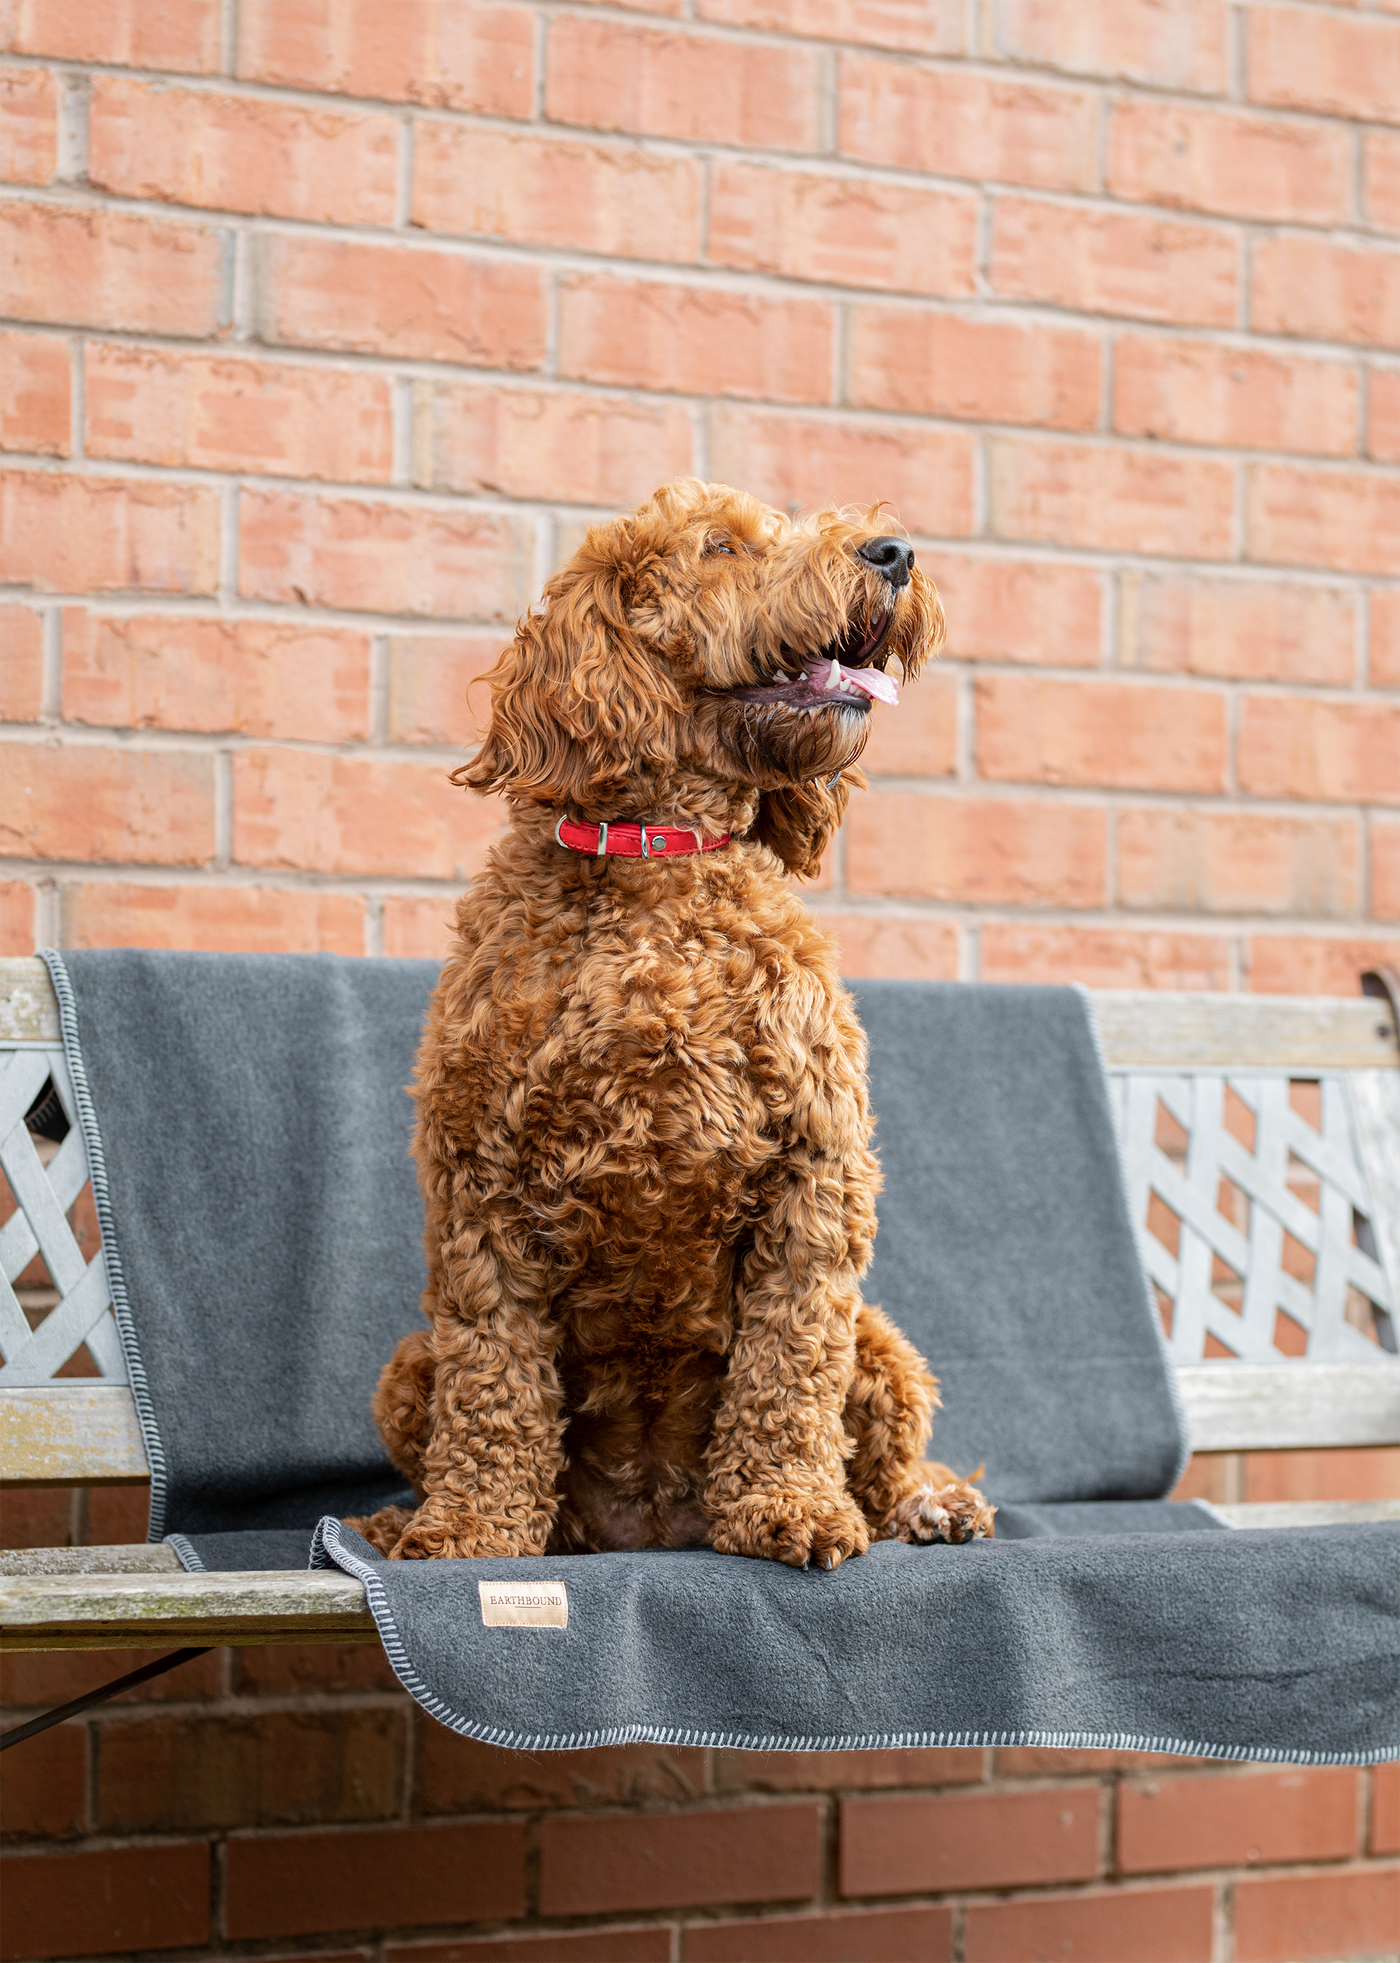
889 1417
403 1411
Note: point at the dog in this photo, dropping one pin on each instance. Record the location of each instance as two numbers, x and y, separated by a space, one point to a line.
643 1134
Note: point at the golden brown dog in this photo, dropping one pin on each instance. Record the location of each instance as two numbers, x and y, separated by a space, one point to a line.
643 1135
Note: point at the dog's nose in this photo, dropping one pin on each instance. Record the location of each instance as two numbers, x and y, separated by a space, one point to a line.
893 557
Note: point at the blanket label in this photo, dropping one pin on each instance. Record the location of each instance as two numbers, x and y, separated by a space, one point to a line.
524 1604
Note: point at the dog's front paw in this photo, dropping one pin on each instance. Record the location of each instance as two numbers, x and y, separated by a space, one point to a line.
955 1512
432 1535
382 1529
805 1532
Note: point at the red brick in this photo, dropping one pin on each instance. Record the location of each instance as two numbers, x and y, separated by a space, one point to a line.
1185 46
1295 1917
587 197
703 340
1298 964
419 928
1046 1762
932 27
1326 291
292 1667
301 1884
1383 419
1001 850
850 231
607 74
113 269
1304 60
93 1904
1236 166
1250 398
117 1515
17 936
1150 1925
85 802
1385 1810
1294 746
28 125
466 56
961 125
1102 957
21 664
1112 499
1248 630
1380 154
212 412
1118 734
1115 262
1025 610
1385 877
305 810
458 1775
1237 862
383 558
920 737
882 1935
926 475
1334 519
35 394
33 1516
44 1791
904 1845
258 677
678 1860
226 918
806 1772
648 1944
1365 1472
1185 1822
1385 638
376 299
991 370
67 534
179 34
434 687
523 443
241 153
279 1768
900 951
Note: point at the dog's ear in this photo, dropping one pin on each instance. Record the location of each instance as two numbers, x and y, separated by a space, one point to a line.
579 710
796 821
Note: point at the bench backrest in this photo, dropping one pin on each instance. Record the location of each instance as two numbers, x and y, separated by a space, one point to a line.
1261 1145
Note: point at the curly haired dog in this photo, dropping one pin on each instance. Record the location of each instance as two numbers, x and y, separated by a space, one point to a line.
643 1134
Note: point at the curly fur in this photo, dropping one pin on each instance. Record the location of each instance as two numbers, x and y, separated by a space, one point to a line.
643 1134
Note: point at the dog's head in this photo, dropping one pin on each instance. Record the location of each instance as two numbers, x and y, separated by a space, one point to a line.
705 652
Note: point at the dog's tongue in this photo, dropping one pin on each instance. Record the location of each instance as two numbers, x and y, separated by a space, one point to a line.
825 673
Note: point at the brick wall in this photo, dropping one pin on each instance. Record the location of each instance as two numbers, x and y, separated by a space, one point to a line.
327 325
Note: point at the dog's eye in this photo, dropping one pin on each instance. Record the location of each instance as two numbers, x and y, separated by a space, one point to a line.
721 545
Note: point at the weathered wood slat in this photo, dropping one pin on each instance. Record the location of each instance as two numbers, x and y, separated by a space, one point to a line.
28 1005
1244 1407
138 1557
71 1434
141 1611
1310 1513
1146 1031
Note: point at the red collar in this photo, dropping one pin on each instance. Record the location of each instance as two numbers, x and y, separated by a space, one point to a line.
633 841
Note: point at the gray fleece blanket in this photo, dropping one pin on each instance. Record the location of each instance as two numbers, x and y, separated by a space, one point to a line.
248 1129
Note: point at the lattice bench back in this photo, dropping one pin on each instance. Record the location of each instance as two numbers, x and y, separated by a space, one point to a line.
1261 1143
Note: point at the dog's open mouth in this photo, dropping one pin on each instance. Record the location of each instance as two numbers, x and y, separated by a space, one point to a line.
845 674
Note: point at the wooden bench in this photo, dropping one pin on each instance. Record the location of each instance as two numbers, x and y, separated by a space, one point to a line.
1261 1144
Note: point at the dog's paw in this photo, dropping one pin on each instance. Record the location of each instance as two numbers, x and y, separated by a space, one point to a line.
956 1512
457 1536
382 1529
803 1532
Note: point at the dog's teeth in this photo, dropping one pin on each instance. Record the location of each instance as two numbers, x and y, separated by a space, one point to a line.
833 679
